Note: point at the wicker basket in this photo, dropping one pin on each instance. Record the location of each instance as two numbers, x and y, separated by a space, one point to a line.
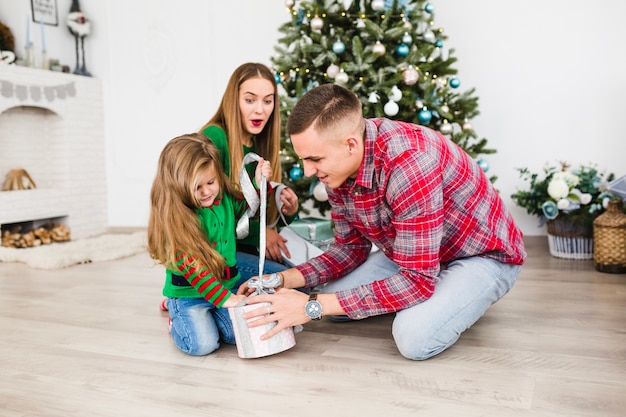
570 240
609 233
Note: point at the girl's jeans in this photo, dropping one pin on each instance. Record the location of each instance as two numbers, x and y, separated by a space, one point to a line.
197 326
466 289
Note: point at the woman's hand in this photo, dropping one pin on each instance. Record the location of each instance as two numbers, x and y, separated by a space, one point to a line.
274 243
290 202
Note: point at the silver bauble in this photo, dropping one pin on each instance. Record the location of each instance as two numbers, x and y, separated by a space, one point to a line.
429 36
410 76
319 192
378 5
317 23
396 94
342 78
446 128
332 70
391 108
379 48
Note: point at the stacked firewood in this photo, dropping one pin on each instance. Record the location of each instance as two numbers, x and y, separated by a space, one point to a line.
36 237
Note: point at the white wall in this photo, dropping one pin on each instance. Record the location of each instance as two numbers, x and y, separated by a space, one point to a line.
548 75
550 78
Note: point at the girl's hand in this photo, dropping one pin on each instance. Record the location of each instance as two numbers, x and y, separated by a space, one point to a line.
290 202
263 169
234 300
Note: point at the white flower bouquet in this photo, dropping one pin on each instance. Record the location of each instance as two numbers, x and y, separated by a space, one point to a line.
580 194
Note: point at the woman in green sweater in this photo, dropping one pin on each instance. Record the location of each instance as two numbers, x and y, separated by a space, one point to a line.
248 120
191 231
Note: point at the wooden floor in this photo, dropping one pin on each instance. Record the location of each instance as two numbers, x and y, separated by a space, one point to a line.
90 341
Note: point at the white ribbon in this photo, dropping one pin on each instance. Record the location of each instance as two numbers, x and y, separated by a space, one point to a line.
262 285
250 194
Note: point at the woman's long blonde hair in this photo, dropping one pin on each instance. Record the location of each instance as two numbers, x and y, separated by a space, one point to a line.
174 224
228 118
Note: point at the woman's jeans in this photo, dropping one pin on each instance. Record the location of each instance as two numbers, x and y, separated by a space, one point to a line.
248 265
466 289
197 326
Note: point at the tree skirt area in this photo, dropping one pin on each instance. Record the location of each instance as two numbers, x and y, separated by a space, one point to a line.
63 254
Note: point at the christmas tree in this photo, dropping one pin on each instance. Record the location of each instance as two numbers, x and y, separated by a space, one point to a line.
391 54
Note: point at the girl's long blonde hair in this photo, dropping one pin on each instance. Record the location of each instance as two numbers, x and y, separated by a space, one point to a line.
228 118
174 224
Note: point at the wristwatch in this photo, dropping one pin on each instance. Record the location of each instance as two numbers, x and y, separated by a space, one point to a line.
313 308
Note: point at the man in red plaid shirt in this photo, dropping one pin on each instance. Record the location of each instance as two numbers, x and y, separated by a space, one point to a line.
448 247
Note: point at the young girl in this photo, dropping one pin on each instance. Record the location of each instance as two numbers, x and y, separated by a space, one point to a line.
191 231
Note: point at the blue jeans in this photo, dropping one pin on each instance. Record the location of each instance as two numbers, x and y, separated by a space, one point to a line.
198 326
248 266
466 289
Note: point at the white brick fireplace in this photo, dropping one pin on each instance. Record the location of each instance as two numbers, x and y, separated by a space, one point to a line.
51 125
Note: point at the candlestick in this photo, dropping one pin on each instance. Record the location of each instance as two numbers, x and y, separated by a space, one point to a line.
27 31
43 37
45 64
30 55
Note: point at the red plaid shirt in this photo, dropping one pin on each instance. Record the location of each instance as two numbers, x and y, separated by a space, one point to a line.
423 201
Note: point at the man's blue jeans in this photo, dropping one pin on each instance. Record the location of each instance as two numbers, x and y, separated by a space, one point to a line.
466 289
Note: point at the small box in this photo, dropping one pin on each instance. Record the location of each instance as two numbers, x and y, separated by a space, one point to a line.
317 231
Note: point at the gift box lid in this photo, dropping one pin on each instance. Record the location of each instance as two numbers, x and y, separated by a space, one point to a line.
313 228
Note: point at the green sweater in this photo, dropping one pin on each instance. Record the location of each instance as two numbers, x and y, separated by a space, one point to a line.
218 137
218 222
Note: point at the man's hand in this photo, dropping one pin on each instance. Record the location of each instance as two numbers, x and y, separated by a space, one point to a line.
286 309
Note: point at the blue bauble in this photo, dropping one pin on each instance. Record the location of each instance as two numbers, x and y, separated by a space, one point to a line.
300 18
339 47
424 116
278 79
438 43
296 172
455 82
402 49
429 8
484 165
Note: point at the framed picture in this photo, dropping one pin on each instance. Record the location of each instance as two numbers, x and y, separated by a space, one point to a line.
45 11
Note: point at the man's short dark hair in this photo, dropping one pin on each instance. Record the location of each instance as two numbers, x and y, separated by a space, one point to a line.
325 106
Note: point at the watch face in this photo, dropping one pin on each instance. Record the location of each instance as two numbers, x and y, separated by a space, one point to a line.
313 309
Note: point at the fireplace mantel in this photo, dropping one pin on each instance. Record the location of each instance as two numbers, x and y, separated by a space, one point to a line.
51 124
